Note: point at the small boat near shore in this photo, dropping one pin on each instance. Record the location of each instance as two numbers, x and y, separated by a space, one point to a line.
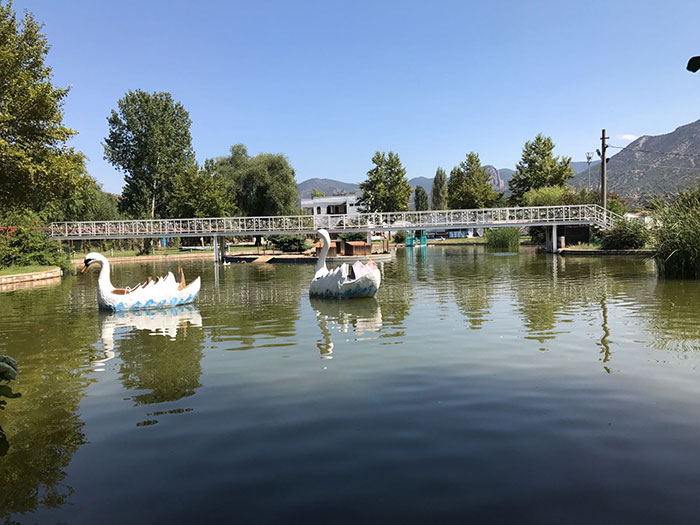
161 292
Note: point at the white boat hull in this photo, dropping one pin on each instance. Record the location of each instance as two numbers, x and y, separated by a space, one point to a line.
334 285
150 296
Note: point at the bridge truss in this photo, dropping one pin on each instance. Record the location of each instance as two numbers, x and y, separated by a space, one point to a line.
573 215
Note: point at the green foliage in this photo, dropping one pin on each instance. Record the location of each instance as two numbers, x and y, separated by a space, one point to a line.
37 168
149 141
565 195
28 245
539 167
538 235
105 207
261 185
503 238
545 196
677 236
438 193
386 188
316 193
421 199
353 236
288 243
625 235
469 185
202 193
617 204
399 237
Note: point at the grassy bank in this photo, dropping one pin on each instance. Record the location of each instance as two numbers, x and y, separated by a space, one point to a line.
19 270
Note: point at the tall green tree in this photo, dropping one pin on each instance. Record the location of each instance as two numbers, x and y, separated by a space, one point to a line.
438 192
316 193
421 199
386 188
264 185
149 141
37 168
469 185
538 167
202 194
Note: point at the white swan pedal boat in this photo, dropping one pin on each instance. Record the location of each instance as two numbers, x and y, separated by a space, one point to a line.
346 281
161 292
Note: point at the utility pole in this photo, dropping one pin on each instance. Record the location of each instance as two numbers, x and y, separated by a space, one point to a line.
603 172
589 156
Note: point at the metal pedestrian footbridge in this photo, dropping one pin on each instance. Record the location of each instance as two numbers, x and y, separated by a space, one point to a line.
573 215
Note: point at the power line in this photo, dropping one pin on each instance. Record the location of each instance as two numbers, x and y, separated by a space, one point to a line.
667 167
656 152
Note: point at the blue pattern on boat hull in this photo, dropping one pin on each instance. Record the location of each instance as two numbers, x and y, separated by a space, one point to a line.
121 307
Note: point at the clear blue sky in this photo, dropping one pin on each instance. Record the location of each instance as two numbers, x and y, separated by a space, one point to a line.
329 83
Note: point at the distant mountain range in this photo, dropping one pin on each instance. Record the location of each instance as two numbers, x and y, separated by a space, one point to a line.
581 166
335 187
651 166
327 186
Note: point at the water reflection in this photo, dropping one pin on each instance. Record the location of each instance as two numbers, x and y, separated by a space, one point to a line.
260 308
671 311
162 368
6 392
397 294
166 322
601 311
43 428
360 319
4 444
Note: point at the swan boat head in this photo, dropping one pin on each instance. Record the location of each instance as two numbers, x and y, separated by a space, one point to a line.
93 258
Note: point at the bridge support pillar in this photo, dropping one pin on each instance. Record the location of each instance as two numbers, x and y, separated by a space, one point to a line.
215 241
551 239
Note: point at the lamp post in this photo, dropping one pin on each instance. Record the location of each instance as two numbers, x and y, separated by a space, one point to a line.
589 157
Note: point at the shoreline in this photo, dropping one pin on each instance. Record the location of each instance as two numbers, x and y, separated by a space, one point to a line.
9 283
151 258
296 258
594 253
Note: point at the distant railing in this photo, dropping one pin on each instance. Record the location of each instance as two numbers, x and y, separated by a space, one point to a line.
582 214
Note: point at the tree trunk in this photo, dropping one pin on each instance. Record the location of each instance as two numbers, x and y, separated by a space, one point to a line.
153 201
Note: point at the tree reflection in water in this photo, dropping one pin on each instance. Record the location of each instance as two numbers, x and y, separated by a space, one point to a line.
167 368
396 298
43 427
671 313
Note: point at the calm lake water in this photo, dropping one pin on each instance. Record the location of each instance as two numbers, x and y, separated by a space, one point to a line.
477 386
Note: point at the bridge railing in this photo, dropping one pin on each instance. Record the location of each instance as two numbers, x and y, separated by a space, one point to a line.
410 220
583 213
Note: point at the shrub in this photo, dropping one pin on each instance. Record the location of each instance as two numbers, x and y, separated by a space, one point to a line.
625 235
677 237
28 245
399 237
288 243
353 236
503 238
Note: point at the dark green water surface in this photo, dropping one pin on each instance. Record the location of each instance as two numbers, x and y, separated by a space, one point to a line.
476 387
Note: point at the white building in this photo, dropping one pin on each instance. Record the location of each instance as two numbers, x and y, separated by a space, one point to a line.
335 205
